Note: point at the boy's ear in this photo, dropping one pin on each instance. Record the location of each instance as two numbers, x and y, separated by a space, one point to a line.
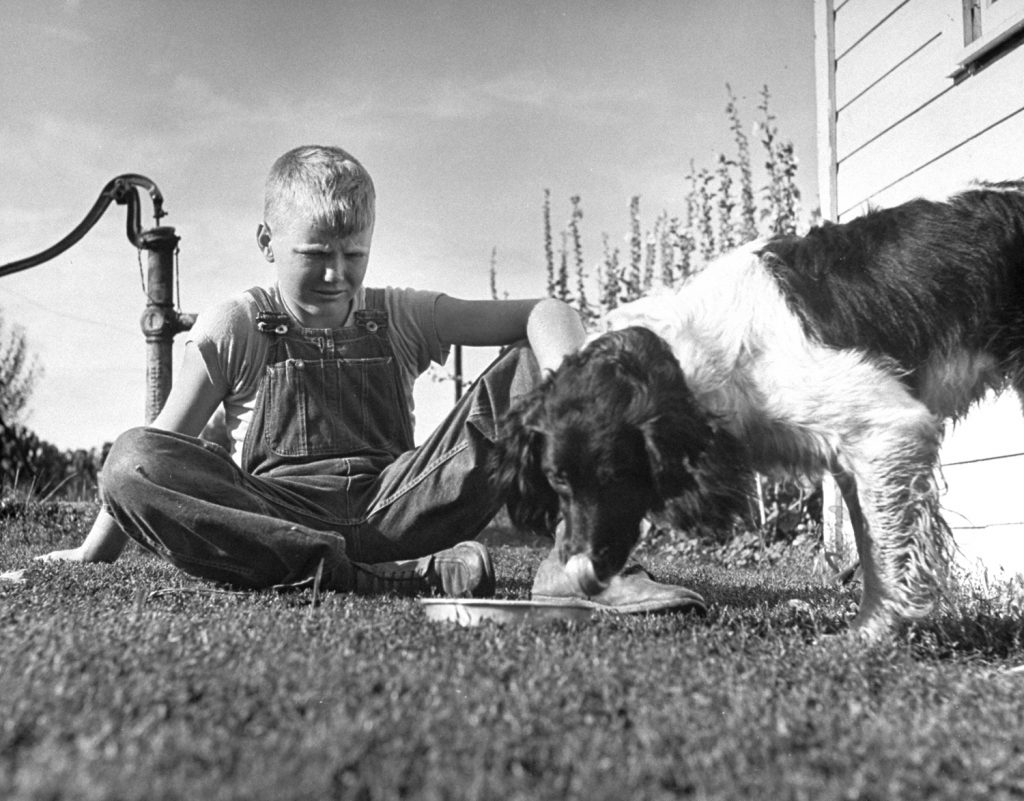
263 241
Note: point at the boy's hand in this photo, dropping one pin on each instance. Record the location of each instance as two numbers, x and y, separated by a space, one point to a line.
104 543
69 555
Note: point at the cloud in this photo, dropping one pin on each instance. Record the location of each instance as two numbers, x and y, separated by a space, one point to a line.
199 95
516 92
65 34
533 89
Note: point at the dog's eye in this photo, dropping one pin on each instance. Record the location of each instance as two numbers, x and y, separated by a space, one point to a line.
558 480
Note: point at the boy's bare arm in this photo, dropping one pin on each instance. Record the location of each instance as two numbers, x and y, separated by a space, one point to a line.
192 400
552 327
103 543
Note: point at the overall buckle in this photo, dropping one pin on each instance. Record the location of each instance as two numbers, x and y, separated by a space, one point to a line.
272 323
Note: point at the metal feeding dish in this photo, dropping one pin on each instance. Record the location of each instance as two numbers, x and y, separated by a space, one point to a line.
474 611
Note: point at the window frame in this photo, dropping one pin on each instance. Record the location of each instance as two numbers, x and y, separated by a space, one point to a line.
989 28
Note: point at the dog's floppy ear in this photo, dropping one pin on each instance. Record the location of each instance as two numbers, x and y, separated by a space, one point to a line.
676 441
517 471
677 432
697 468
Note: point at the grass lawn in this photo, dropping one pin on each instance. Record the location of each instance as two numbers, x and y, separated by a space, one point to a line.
109 693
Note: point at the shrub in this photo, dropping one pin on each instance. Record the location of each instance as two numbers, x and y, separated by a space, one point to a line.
33 467
19 371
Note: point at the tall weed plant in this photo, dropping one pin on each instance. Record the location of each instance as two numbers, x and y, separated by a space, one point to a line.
727 204
734 200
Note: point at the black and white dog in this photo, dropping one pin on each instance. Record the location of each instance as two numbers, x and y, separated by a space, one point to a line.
844 350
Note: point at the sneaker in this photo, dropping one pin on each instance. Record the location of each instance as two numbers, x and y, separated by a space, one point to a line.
462 571
633 591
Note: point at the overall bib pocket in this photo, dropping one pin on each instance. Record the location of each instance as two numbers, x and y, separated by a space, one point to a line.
335 407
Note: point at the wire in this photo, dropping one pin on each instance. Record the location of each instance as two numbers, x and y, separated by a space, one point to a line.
65 315
982 459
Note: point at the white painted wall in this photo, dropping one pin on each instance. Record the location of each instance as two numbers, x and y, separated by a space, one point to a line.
904 128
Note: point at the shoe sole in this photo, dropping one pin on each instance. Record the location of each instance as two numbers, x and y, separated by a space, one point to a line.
638 607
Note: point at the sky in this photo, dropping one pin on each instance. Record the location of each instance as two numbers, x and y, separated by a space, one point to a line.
463 111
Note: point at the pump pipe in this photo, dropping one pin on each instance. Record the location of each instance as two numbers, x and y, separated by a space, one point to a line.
160 320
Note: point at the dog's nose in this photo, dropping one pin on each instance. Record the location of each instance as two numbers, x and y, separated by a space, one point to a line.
581 572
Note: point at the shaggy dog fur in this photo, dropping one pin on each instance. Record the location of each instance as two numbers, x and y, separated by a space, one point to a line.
612 436
844 350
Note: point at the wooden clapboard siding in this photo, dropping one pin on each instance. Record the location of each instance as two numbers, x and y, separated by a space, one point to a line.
993 429
903 128
975 108
857 19
993 155
1000 482
903 28
914 81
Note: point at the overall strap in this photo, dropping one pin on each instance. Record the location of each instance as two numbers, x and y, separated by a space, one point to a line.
268 320
374 298
374 316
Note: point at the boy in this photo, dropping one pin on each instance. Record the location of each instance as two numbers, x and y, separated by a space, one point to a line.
315 375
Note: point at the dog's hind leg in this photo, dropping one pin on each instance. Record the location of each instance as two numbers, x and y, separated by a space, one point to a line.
812 407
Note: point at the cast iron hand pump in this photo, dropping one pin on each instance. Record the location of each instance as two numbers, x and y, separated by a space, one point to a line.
160 320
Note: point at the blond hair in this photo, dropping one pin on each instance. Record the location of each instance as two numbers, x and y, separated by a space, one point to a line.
322 184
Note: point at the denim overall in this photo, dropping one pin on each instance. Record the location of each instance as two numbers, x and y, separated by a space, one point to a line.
330 472
329 405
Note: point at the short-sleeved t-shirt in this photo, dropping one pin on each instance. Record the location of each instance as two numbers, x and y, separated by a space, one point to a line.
235 353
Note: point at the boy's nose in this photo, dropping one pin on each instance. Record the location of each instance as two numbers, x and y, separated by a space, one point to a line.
332 273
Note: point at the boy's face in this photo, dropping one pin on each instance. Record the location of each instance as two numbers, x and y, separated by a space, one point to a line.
319 270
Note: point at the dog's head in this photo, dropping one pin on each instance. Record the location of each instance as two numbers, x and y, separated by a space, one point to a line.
611 436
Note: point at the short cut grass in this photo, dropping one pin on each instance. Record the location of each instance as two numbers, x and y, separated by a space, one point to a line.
321 184
131 681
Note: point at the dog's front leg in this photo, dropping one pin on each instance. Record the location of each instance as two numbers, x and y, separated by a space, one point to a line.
872 618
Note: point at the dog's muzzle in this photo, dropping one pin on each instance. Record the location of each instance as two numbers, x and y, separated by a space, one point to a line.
581 572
